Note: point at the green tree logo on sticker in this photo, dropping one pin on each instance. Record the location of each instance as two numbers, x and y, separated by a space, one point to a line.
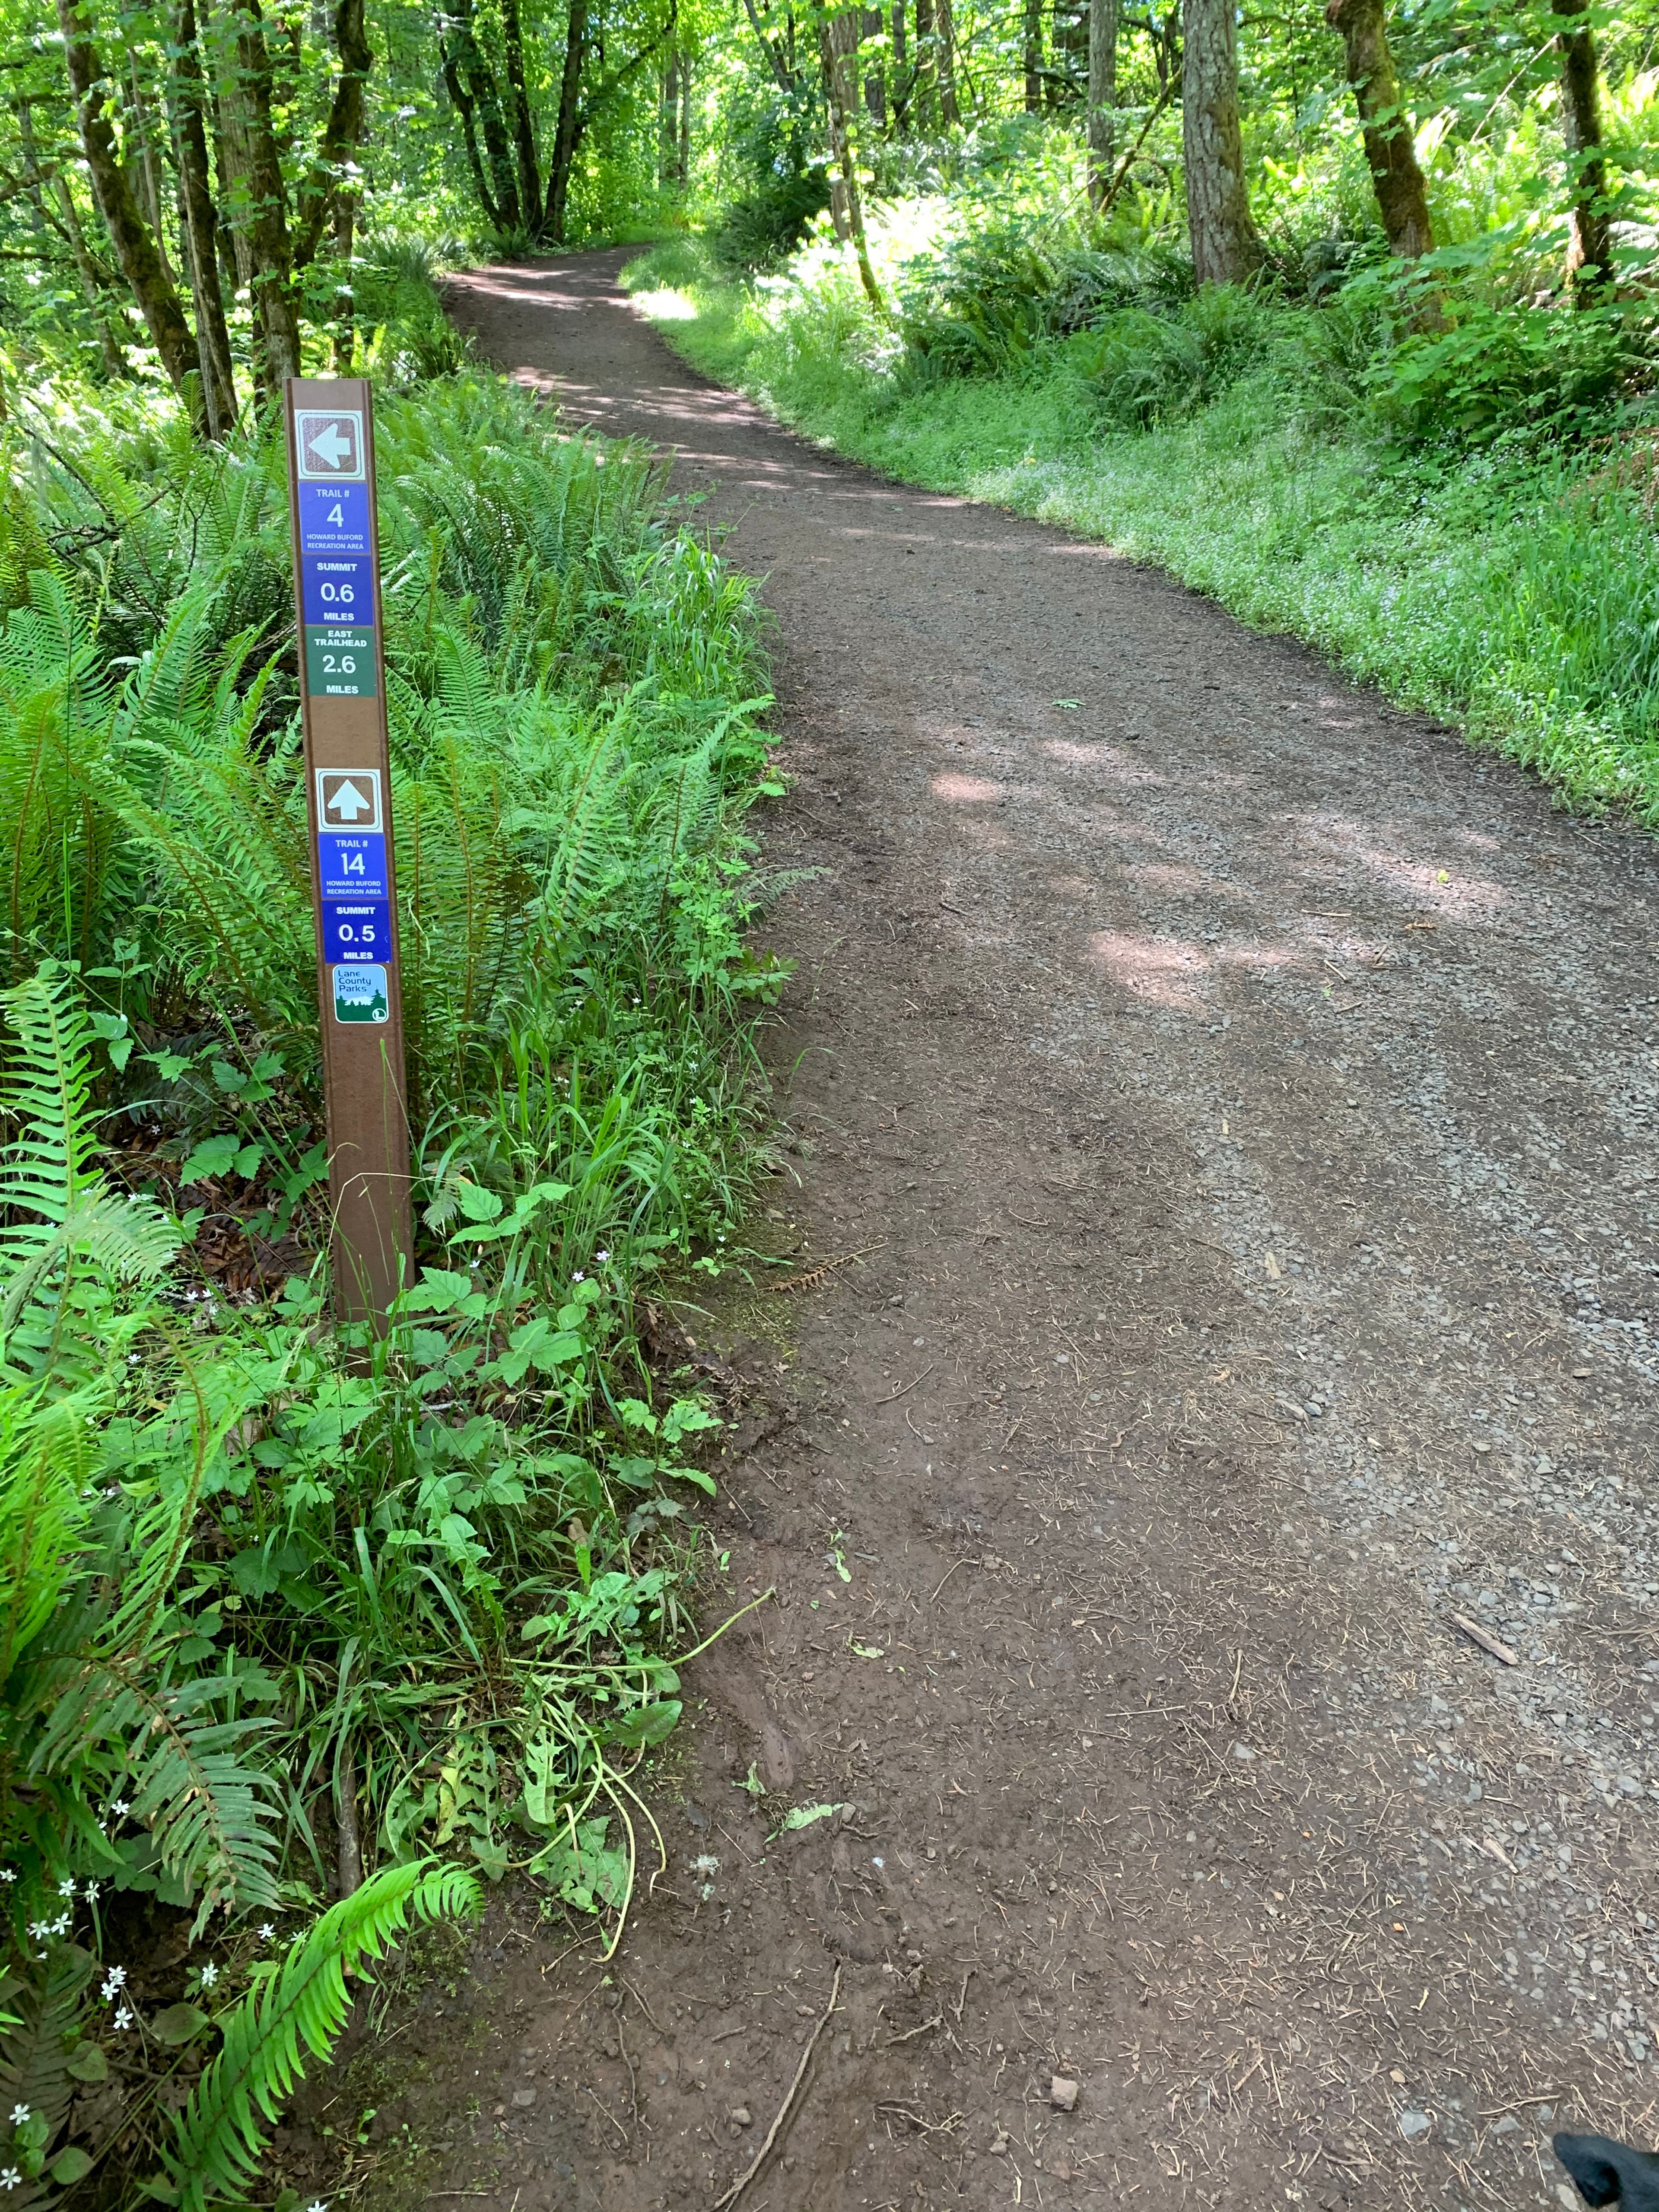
360 994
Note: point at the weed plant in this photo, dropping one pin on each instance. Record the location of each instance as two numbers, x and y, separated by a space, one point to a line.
283 1607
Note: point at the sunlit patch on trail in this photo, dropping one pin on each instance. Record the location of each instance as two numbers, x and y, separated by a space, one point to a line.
1453 893
965 790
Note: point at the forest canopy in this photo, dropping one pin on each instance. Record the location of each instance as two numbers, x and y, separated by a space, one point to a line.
218 191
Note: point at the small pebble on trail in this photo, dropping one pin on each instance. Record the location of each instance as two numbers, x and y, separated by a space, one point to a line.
1063 2094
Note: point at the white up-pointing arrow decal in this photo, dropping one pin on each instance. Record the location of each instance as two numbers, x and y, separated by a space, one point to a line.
348 802
330 448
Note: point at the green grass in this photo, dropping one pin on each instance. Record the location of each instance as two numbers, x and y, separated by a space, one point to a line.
1514 594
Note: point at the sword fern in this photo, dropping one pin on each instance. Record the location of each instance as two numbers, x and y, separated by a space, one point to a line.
301 2005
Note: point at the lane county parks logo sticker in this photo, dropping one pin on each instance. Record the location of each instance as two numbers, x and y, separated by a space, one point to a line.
360 994
330 443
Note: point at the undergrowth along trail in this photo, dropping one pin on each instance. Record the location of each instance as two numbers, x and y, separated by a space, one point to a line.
289 1613
1264 453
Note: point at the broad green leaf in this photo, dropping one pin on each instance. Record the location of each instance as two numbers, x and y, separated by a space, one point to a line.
215 1158
179 2023
806 1816
646 1724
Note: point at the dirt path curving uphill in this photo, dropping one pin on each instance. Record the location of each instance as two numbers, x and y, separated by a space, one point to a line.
1250 1092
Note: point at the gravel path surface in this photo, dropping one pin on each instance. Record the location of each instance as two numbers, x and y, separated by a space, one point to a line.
1249 1094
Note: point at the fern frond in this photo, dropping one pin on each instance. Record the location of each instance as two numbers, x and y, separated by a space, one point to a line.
207 1812
49 1091
45 1457
55 707
225 832
61 1207
34 2055
221 2134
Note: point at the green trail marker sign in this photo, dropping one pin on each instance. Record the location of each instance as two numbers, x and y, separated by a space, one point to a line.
336 591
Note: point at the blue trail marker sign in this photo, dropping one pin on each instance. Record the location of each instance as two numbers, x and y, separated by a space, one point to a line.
336 589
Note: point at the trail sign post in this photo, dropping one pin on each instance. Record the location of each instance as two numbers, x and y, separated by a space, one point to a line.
337 590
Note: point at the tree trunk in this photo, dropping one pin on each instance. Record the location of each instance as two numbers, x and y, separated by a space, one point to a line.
485 100
838 42
1226 247
130 235
210 46
461 100
330 175
524 129
200 226
668 108
149 165
266 225
1589 233
345 310
1402 198
567 137
1033 56
898 72
34 181
1103 96
875 77
684 165
782 65
926 73
111 343
944 32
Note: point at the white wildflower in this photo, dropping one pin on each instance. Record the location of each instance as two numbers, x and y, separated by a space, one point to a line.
209 1975
579 1277
10 2177
8 1873
66 1887
19 2115
114 1983
266 1931
124 2016
601 1257
91 1890
118 1808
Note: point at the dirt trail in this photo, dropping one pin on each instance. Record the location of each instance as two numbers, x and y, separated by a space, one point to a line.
1251 1093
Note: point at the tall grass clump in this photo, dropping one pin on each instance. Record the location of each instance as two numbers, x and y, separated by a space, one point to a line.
292 1614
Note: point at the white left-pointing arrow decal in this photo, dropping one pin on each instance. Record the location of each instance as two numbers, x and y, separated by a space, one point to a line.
330 448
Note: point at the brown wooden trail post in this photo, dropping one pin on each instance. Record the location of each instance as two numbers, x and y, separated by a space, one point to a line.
337 590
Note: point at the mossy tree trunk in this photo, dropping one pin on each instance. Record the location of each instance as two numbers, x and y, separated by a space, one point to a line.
1103 96
1589 241
1402 197
201 224
838 44
136 250
1226 247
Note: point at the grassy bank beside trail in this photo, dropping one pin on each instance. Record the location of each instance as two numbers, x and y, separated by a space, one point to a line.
1512 590
289 1613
